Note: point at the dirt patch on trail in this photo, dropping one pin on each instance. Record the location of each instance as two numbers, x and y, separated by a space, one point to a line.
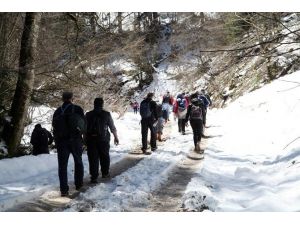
168 197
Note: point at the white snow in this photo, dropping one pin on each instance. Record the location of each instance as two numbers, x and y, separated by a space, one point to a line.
248 165
27 177
251 160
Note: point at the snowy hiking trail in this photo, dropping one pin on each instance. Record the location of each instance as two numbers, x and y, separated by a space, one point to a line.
51 201
178 171
164 181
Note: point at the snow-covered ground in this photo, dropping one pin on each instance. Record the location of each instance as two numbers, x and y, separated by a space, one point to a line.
249 164
27 177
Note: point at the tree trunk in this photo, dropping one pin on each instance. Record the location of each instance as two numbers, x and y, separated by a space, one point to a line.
93 23
120 22
25 80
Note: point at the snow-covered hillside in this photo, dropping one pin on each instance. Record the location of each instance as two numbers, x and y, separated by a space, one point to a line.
252 160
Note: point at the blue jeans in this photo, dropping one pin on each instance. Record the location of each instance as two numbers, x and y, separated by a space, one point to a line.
64 149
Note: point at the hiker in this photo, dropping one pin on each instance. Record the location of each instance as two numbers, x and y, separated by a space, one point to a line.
180 110
160 123
206 102
98 139
167 101
68 127
194 114
40 139
135 107
149 117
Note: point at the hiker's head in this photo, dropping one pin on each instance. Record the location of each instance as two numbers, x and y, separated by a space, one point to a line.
38 126
98 102
67 96
150 95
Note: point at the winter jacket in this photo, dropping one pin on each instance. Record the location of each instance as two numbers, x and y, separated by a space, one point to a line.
107 122
40 139
153 108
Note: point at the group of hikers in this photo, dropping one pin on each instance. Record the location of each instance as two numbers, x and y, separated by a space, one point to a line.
72 129
186 107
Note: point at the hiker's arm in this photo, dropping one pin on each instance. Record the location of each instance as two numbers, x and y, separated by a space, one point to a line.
187 114
113 129
50 138
153 106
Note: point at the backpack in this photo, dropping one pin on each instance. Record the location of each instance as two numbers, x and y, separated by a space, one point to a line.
98 127
43 137
196 112
181 104
145 110
66 125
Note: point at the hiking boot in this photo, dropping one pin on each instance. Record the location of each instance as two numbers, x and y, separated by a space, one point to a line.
146 153
94 181
106 175
78 187
64 194
183 133
153 149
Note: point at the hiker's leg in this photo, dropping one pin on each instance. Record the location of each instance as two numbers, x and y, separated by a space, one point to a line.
144 130
104 157
153 134
77 155
93 156
63 153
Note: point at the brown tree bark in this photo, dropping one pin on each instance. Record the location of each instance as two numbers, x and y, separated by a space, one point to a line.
25 82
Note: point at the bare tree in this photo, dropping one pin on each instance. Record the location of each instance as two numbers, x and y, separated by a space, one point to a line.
25 80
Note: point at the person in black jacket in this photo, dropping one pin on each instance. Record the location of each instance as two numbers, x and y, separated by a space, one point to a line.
149 117
98 138
40 139
68 141
195 115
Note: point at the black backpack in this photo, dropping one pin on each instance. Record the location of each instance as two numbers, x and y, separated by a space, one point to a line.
67 125
43 137
98 128
145 110
196 112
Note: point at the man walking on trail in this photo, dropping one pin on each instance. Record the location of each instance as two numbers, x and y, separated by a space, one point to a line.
195 115
148 113
68 127
98 138
160 123
40 139
206 102
167 102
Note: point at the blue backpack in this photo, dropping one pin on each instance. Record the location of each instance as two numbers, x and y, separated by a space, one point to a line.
145 110
181 104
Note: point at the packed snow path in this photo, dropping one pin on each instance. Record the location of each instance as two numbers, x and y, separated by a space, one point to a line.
51 201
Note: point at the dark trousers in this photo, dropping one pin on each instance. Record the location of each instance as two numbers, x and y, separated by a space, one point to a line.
204 116
64 149
98 151
40 150
197 126
181 125
147 123
135 110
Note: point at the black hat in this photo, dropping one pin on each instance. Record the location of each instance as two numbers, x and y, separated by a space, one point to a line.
98 102
67 95
38 126
150 95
